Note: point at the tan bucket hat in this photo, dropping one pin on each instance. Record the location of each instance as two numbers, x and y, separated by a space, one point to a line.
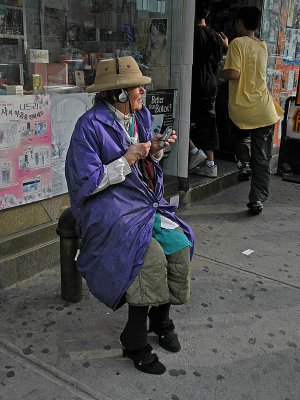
117 73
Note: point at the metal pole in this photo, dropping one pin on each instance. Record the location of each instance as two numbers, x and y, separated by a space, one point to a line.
71 280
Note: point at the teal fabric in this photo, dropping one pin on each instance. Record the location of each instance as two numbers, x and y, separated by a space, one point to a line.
131 127
171 240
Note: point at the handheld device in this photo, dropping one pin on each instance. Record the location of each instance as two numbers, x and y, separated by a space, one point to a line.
165 136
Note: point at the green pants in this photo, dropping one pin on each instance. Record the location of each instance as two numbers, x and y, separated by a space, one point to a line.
255 146
162 279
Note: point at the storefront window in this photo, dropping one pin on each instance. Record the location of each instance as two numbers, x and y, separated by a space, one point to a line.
75 35
49 51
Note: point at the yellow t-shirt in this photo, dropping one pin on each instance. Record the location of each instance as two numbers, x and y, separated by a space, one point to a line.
250 102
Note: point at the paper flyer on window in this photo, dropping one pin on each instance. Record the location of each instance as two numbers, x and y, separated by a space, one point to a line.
25 150
66 109
162 106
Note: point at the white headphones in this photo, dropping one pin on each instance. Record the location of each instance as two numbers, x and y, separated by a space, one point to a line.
122 97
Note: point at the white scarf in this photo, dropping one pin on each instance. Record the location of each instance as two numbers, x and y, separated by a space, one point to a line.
125 121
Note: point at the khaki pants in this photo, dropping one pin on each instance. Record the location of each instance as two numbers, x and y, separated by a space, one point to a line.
162 279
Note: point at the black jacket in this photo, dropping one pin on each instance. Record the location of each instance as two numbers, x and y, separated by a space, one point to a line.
208 52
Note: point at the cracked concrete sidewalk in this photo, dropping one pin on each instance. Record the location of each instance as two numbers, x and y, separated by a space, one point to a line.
239 333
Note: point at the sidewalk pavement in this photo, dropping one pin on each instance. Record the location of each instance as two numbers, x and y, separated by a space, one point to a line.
239 333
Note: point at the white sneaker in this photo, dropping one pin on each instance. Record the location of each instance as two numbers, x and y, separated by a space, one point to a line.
196 159
205 170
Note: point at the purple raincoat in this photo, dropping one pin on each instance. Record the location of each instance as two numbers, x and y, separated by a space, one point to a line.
115 225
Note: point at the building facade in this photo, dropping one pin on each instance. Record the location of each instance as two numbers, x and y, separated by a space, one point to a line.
49 52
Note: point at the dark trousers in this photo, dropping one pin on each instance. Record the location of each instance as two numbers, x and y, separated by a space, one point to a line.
255 146
134 335
204 132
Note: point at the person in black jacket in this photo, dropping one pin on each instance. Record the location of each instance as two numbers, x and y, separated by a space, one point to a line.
208 52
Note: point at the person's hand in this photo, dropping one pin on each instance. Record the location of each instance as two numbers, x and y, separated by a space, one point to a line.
136 152
224 40
156 142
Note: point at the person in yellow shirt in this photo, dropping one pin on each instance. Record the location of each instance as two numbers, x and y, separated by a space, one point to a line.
251 107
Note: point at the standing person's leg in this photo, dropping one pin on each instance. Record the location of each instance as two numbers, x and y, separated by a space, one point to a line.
261 154
196 156
208 136
242 147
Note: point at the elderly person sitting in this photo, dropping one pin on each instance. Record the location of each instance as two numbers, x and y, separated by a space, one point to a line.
134 249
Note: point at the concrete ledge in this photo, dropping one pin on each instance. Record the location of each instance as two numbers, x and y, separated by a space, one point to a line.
206 189
27 239
28 252
27 263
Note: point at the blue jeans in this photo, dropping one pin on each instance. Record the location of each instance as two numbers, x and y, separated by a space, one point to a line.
255 146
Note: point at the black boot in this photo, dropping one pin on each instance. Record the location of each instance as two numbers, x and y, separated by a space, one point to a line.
145 361
134 342
162 325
